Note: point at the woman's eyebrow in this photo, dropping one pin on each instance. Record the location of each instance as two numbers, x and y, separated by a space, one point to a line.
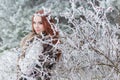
39 21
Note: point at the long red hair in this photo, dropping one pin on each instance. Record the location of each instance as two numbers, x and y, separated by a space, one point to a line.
49 29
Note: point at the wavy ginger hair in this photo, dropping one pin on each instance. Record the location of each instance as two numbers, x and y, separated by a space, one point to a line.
48 30
47 26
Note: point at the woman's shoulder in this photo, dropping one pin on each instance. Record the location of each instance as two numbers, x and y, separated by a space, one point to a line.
25 38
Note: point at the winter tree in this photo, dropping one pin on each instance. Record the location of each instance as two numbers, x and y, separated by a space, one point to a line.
89 32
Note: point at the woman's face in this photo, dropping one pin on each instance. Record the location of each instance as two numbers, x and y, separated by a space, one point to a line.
38 25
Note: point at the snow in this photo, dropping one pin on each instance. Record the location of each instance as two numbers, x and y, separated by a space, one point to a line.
89 41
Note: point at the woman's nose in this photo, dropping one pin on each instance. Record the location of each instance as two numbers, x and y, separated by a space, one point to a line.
37 25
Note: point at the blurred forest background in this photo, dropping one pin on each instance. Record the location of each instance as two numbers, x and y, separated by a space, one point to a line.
15 16
89 30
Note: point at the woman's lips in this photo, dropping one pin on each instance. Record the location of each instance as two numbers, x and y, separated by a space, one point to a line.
37 30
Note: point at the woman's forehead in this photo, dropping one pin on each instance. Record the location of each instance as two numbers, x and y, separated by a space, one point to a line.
37 18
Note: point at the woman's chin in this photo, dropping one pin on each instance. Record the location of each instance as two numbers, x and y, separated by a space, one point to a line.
37 32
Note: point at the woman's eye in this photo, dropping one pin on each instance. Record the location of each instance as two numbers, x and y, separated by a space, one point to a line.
40 22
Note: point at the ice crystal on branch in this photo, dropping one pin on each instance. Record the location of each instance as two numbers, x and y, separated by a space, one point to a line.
89 35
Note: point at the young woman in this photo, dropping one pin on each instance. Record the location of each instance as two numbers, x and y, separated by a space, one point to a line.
39 54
